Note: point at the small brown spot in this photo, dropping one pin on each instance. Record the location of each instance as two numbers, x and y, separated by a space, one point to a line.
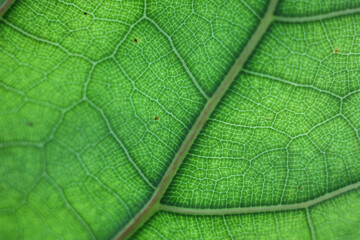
299 187
85 13
136 40
30 124
156 118
266 119
336 50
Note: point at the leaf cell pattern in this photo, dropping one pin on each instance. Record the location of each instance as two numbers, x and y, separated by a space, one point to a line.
192 119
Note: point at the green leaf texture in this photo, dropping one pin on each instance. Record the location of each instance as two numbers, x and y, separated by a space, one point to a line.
234 119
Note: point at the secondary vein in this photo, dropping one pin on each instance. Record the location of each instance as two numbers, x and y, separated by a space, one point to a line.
317 17
274 208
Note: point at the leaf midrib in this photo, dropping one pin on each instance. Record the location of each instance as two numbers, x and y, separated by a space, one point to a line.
154 203
5 6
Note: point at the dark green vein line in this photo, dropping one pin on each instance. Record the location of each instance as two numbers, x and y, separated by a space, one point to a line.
153 205
291 83
183 63
121 144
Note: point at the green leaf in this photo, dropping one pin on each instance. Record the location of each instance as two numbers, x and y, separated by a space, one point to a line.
180 120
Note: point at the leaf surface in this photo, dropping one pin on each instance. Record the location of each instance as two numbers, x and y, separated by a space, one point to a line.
191 120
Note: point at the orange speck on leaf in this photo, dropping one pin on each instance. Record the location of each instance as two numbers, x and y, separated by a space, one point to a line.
266 119
336 50
156 118
299 186
136 40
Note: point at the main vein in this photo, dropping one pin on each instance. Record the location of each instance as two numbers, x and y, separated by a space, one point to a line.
153 205
5 6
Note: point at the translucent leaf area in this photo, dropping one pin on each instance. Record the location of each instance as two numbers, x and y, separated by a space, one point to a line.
180 119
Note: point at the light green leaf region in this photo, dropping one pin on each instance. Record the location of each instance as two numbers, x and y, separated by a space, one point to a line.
180 119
